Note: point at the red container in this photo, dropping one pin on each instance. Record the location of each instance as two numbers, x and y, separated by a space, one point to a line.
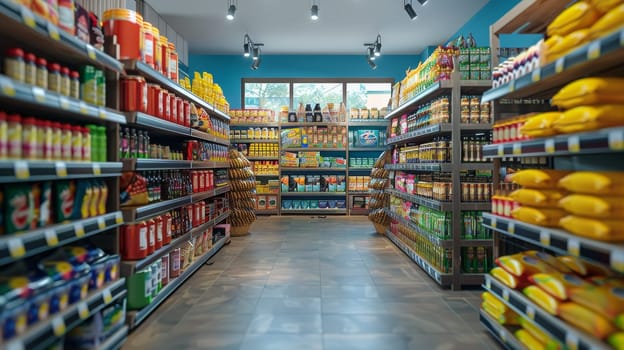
152 99
126 26
187 110
151 236
195 180
202 212
134 241
167 105
210 178
133 94
189 212
196 214
180 108
159 232
166 229
173 106
187 120
174 263
165 270
202 181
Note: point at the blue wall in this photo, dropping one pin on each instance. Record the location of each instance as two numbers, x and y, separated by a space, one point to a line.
479 26
228 70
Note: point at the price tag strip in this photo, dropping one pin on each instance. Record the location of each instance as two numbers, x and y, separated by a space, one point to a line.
83 310
28 18
21 169
79 229
616 139
545 238
617 260
574 246
53 32
517 149
549 146
559 65
511 228
61 169
64 102
39 94
119 218
574 144
97 171
530 312
58 326
51 238
16 247
593 50
6 86
101 223
536 75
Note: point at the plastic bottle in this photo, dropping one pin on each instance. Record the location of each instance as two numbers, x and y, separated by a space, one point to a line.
41 139
309 116
57 135
14 66
74 85
103 145
4 146
14 136
134 145
30 69
66 142
76 142
29 138
140 144
54 77
42 73
95 141
65 82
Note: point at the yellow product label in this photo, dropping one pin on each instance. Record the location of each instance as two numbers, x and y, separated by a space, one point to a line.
20 324
86 201
44 310
63 301
95 201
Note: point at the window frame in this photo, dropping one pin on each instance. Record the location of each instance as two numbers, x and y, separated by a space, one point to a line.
292 81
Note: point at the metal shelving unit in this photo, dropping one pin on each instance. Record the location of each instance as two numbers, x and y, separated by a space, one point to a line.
455 88
500 332
594 150
313 194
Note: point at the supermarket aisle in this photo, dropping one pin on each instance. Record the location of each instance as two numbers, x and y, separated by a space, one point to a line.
312 283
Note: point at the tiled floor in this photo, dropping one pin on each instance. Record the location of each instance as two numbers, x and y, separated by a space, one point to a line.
302 283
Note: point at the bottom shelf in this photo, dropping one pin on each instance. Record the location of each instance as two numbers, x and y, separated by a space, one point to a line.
136 317
315 211
116 340
358 211
443 279
267 211
504 336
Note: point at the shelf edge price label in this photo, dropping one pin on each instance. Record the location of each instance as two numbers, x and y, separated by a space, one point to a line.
549 146
493 223
91 52
97 171
559 65
101 223
16 247
617 260
64 102
571 340
506 294
536 75
545 238
102 113
488 283
7 86
51 238
39 94
511 228
517 149
503 335
79 229
53 32
530 312
61 169
593 50
83 108
83 310
574 144
500 150
28 17
21 170
58 326
574 246
616 140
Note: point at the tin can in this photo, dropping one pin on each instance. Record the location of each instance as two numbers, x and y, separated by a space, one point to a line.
166 104
173 108
133 94
180 108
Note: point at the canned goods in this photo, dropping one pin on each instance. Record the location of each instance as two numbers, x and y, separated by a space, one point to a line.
159 232
166 104
151 236
174 263
133 94
165 270
167 230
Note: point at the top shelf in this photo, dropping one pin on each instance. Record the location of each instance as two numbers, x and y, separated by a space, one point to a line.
263 125
287 124
152 75
37 34
437 89
594 58
529 16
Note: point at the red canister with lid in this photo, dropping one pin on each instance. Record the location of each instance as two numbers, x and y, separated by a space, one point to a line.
159 232
195 180
187 110
165 270
167 105
202 212
202 181
173 106
151 236
174 263
166 229
180 108
197 214
133 94
134 241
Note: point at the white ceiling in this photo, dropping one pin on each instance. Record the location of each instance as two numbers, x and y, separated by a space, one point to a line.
285 27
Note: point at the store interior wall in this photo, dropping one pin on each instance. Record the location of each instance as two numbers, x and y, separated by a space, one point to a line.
228 70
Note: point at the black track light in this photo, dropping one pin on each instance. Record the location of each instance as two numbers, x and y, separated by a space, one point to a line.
247 50
371 53
314 12
256 53
409 9
247 44
377 50
256 63
372 64
231 10
422 2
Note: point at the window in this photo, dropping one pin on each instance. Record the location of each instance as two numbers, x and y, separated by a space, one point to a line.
313 93
267 95
368 95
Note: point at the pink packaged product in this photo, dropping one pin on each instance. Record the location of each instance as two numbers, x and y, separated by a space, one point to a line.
410 180
399 181
403 124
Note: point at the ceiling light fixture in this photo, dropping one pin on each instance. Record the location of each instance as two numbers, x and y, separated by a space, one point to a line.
314 11
252 49
409 9
231 10
256 63
256 53
247 46
372 64
422 2
371 53
378 46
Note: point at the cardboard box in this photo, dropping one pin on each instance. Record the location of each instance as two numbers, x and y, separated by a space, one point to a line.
261 203
271 202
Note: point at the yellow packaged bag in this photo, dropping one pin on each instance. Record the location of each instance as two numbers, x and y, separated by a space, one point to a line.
616 340
605 6
600 229
590 91
538 178
619 321
578 16
594 206
544 300
557 284
538 198
528 340
507 278
594 183
548 217
568 43
494 302
584 268
523 266
540 335
509 317
586 319
540 125
549 259
586 118
606 300
610 22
